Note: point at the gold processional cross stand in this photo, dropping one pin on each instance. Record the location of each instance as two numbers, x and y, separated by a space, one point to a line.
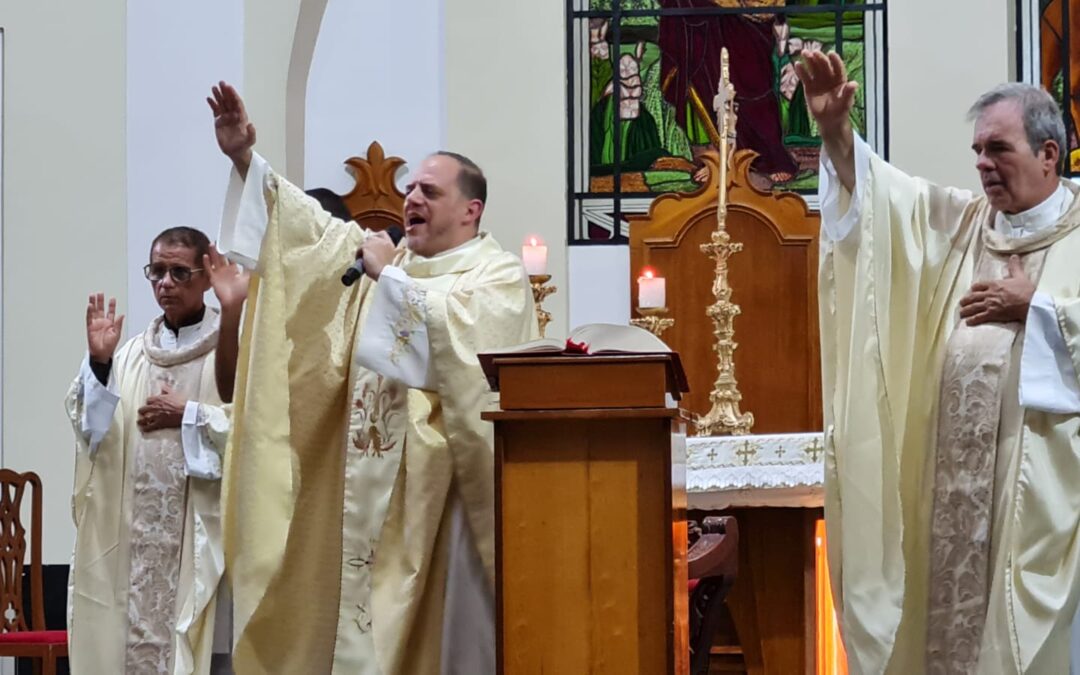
724 418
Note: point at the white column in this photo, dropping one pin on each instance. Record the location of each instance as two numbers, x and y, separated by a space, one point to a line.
176 174
386 87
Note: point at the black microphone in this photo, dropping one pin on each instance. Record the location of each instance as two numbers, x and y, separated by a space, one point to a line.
356 270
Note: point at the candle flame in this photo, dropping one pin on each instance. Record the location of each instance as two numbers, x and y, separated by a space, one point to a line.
533 241
648 273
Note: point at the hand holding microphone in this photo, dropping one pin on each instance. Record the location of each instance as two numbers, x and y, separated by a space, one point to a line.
374 254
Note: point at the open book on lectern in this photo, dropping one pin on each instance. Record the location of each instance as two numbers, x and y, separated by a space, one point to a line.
591 340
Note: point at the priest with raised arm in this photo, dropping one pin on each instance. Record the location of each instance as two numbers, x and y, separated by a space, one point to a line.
360 484
144 593
950 328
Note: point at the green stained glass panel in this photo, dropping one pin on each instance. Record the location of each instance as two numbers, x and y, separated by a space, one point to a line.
649 113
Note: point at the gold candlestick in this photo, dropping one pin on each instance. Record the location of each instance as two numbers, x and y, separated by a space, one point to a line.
724 418
653 319
540 292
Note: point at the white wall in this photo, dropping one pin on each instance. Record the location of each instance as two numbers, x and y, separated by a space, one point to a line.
936 71
274 94
64 223
600 292
505 98
176 174
387 87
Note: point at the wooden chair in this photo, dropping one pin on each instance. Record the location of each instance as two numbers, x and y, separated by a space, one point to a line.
375 201
712 566
18 638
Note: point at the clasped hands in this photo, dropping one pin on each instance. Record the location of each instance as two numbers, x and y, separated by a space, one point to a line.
999 301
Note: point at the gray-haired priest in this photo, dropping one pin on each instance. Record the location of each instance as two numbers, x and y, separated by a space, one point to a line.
950 329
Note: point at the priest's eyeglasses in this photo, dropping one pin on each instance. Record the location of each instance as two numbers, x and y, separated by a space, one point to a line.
180 274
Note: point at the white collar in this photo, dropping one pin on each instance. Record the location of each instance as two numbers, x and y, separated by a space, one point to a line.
460 247
186 336
1039 217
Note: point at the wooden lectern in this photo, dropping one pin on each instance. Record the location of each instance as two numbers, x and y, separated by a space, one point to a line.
590 515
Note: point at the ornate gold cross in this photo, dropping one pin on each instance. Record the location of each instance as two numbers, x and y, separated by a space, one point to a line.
724 418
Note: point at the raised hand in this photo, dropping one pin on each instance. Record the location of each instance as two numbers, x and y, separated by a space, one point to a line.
103 328
229 280
829 93
230 283
829 97
235 132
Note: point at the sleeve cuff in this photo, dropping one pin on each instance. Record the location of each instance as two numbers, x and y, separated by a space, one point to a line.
1047 375
246 214
101 371
98 407
841 210
394 338
202 458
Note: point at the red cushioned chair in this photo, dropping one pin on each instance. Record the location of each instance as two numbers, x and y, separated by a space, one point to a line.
712 565
19 639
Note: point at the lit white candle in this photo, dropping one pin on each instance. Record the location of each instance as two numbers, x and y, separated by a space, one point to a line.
534 255
652 290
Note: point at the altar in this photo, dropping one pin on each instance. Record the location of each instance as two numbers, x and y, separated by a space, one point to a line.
781 607
770 470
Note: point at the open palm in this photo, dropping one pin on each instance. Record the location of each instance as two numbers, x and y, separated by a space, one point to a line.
235 132
829 93
103 328
229 280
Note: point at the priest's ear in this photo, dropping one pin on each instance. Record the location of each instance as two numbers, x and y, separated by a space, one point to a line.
1050 154
473 211
201 279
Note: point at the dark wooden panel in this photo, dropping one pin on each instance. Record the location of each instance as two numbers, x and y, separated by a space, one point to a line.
774 281
772 601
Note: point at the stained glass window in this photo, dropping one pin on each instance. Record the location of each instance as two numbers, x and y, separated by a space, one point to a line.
1049 54
642 75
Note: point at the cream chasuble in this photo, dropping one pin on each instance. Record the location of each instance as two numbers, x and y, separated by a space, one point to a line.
925 432
148 553
351 485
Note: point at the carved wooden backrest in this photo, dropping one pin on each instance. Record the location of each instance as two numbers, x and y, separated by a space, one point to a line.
774 282
375 201
13 546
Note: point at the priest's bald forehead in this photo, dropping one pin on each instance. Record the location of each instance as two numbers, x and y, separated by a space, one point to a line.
187 237
471 180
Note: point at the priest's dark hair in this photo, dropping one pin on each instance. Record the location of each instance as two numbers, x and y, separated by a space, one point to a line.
332 202
471 180
188 237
